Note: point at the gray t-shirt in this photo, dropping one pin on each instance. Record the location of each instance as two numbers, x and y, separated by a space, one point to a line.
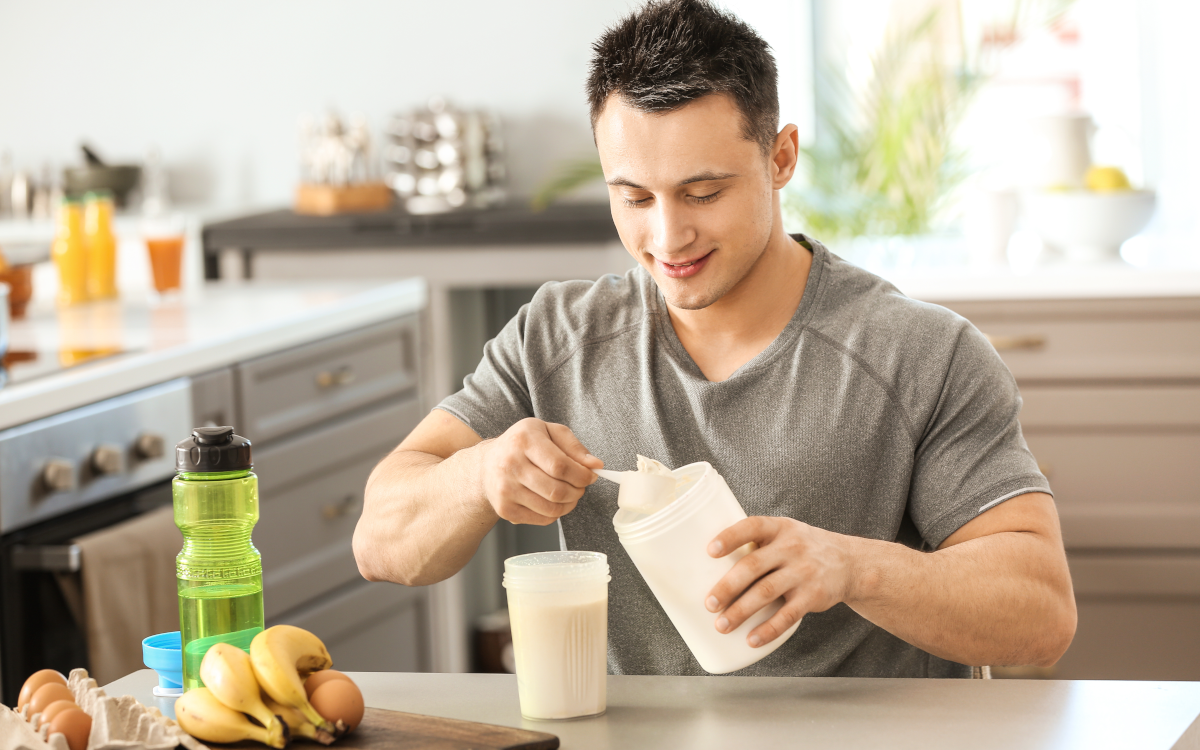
871 414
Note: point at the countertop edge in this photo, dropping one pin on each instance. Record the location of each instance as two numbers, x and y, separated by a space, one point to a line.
71 389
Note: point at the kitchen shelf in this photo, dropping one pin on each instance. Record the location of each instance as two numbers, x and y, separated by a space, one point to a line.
395 229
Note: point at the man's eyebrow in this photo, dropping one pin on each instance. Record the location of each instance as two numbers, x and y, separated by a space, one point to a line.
708 176
702 177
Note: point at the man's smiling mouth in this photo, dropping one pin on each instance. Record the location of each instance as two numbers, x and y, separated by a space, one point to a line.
683 270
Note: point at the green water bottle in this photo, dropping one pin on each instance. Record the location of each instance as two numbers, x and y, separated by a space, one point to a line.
219 571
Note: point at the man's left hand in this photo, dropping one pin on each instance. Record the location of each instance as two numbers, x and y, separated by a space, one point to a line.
809 567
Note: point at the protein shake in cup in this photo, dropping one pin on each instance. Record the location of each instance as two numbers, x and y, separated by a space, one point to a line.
558 607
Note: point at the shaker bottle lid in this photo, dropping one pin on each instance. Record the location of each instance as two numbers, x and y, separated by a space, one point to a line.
213 449
558 568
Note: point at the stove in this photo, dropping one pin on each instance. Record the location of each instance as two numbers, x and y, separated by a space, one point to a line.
23 365
62 477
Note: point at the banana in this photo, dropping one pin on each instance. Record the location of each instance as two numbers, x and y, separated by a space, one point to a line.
200 714
299 726
283 656
227 673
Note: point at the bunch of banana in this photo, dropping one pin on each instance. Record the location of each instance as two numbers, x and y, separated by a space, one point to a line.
299 726
282 657
199 713
228 675
266 684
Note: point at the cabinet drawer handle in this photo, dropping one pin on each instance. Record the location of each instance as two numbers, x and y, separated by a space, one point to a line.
331 378
65 558
1013 343
343 507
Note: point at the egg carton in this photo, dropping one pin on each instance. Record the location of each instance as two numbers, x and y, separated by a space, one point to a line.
117 723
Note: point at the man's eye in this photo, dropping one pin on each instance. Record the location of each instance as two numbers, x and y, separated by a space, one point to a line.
634 203
706 198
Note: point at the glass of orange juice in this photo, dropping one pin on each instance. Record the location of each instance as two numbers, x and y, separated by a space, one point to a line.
164 236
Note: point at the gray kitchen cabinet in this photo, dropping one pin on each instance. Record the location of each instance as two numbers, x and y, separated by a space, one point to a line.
321 416
285 392
1111 392
311 489
1139 614
369 627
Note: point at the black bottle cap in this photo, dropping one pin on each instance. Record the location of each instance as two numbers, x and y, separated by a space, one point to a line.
212 449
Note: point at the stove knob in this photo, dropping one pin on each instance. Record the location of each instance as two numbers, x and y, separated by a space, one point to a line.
148 446
58 475
106 459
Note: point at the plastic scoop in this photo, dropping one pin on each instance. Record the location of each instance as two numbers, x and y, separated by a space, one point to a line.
641 492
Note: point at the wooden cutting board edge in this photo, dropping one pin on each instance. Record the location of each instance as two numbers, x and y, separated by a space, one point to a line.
382 729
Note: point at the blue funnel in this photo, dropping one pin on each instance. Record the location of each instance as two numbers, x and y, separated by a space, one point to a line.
163 653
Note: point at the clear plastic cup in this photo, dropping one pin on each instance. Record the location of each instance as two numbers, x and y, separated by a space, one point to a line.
558 608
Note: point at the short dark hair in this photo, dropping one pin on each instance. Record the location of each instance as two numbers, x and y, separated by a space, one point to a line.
672 52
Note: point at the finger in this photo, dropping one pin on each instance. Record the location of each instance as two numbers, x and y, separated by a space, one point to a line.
547 456
554 490
569 444
759 529
740 577
515 495
760 594
778 624
521 515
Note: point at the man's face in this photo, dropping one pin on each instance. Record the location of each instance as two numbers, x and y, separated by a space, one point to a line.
691 197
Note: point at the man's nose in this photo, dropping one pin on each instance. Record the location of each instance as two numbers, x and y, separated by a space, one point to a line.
673 230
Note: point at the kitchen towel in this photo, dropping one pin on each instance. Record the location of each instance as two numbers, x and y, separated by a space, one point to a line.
129 592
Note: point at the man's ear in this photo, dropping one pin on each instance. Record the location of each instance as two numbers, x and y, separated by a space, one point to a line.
785 154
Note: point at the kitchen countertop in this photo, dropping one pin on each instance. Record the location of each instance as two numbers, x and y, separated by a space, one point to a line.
843 712
1050 282
197 331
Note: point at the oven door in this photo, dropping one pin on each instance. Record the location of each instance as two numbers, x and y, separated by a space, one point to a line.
42 625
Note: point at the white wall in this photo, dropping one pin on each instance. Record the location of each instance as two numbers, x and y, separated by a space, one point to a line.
219 85
786 25
1170 138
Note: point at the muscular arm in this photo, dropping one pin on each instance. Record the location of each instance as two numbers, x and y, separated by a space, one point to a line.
431 501
996 592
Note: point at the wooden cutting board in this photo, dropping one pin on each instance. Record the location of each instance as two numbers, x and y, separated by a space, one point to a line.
395 730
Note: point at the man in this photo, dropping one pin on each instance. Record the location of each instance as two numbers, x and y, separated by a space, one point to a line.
872 439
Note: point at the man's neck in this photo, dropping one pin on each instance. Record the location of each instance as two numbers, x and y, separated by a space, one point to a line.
733 330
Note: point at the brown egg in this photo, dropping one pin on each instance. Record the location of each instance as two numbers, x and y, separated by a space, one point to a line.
317 679
56 708
35 681
47 694
75 725
339 699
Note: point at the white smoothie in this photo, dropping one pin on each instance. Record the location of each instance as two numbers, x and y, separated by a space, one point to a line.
561 653
558 609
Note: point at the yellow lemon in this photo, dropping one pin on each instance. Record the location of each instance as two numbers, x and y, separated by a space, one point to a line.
1106 179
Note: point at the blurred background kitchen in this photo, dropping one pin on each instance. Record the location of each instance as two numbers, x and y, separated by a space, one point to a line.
1031 164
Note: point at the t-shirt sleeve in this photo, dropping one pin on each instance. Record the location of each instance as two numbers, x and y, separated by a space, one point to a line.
972 455
496 395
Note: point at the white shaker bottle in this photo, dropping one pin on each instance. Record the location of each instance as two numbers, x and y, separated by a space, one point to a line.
558 607
670 549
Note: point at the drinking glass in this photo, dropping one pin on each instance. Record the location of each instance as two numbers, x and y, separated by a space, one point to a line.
164 236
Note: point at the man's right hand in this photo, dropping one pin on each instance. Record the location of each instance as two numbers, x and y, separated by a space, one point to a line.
536 471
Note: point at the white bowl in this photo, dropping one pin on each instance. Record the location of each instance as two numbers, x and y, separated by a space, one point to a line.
1088 226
